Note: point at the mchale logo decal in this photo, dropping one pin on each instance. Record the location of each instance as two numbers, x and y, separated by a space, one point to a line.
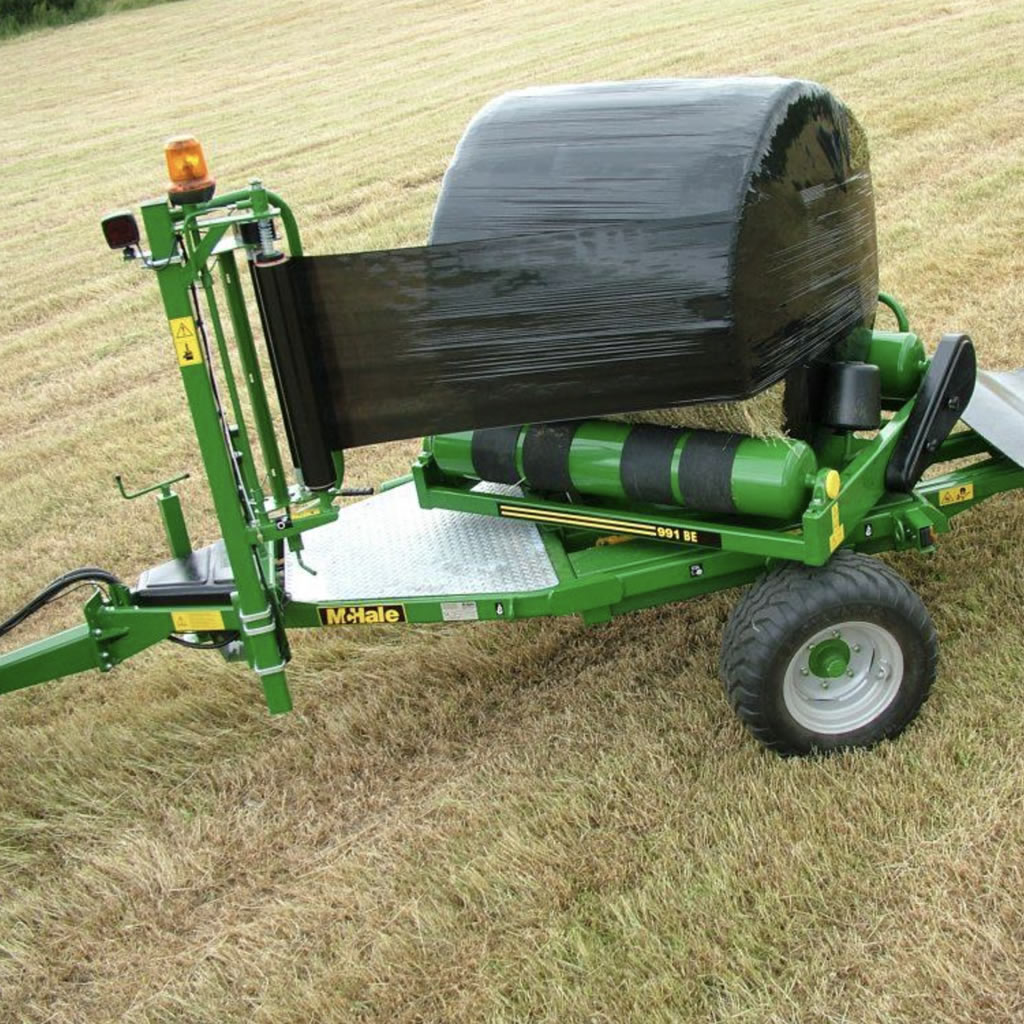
362 615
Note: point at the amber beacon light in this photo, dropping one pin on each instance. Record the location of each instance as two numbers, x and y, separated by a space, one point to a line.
191 182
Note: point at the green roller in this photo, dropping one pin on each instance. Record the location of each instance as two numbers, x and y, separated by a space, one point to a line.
703 470
901 358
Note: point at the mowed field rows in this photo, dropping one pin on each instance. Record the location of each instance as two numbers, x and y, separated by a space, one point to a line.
536 822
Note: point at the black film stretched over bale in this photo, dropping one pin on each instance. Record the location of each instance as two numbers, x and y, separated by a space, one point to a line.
598 249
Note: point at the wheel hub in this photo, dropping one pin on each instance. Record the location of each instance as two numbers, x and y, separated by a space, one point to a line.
829 658
843 677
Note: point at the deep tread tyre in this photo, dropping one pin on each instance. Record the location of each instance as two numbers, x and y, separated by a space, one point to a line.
795 704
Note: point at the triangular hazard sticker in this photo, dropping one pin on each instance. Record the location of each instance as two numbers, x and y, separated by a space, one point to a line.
183 332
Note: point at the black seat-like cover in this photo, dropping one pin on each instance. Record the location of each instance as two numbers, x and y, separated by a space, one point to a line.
598 249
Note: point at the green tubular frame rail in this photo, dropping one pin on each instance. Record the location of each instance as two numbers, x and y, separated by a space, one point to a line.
609 557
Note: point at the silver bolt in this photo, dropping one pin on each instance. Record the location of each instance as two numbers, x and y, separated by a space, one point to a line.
856 647
97 632
881 673
810 647
804 672
824 685
835 633
849 672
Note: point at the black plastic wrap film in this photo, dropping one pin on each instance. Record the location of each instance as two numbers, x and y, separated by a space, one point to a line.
598 249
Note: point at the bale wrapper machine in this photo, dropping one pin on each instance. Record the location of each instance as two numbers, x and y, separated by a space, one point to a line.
567 513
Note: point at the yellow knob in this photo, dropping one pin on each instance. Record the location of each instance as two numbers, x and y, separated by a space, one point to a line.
833 484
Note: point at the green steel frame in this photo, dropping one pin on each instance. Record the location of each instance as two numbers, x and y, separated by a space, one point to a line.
609 558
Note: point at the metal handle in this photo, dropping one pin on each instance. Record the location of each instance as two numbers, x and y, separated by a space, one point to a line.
164 486
902 322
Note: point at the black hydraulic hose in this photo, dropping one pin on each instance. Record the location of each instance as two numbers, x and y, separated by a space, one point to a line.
52 591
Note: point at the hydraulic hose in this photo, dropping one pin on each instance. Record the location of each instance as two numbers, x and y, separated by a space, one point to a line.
54 590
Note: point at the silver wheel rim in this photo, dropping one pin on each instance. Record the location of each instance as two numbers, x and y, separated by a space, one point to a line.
866 686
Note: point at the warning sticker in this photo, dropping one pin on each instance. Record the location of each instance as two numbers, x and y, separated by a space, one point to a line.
186 344
197 622
954 495
838 534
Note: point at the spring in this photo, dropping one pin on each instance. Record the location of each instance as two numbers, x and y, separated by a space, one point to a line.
267 237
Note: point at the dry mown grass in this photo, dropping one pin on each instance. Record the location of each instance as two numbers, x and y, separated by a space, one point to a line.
535 822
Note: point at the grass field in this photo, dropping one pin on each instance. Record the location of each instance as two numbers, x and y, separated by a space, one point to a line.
534 822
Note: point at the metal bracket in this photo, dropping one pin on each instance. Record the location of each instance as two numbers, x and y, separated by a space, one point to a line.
271 670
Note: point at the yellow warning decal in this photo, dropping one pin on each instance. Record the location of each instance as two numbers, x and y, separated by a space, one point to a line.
186 343
838 534
197 622
362 615
954 495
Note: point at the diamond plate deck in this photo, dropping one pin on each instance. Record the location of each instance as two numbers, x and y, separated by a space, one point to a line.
388 547
996 411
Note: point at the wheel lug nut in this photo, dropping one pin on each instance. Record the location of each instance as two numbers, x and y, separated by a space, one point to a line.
824 685
849 672
835 633
804 672
856 647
